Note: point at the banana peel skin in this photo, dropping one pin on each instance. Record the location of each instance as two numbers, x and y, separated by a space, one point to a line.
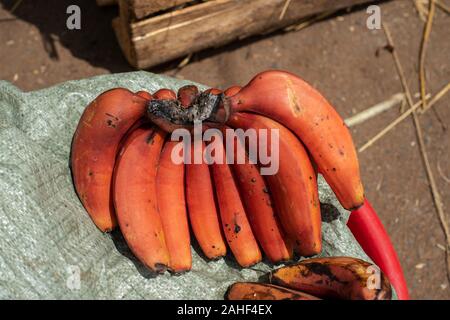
263 291
334 278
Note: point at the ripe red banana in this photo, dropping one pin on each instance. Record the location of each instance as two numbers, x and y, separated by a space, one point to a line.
96 141
135 198
257 201
144 94
231 91
335 277
263 291
172 209
202 209
235 224
285 102
292 102
165 94
294 187
213 91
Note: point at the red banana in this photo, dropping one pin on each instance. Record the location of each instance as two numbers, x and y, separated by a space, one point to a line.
286 98
202 209
172 209
294 187
231 91
235 224
144 94
96 141
256 198
165 94
135 197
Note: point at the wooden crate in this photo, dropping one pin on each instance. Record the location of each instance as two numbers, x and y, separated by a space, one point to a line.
139 9
151 32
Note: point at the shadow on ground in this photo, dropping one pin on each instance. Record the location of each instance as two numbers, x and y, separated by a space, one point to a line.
97 43
98 46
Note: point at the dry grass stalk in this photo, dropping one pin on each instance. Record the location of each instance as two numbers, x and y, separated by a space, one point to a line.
422 9
438 96
405 115
375 110
423 48
433 186
185 61
443 6
283 11
15 6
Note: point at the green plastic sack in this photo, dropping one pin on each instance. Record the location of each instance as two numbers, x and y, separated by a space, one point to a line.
49 246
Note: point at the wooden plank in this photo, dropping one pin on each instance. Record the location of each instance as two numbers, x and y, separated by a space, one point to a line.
142 8
216 22
123 36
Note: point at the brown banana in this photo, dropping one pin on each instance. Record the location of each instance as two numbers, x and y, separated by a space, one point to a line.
336 278
263 291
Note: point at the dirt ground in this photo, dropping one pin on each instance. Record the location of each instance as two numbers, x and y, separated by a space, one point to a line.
339 56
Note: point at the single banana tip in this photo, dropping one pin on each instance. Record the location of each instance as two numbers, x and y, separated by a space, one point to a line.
249 264
106 225
216 257
159 268
358 203
179 271
354 202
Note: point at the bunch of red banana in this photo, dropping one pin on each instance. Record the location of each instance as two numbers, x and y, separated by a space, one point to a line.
319 278
124 173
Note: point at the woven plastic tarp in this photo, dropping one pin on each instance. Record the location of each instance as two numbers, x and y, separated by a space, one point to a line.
50 249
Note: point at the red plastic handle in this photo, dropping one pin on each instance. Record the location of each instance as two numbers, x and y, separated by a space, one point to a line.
368 230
